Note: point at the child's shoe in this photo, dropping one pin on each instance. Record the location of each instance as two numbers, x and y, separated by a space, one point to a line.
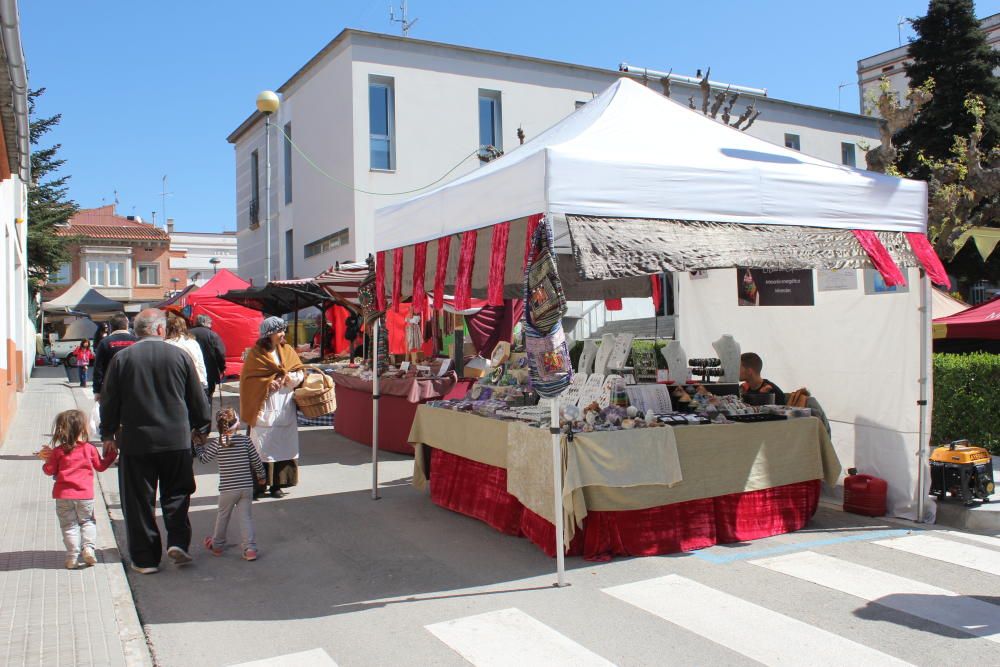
89 557
71 563
250 554
210 545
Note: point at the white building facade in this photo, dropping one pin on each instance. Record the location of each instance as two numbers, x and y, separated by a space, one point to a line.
383 117
201 254
891 64
17 332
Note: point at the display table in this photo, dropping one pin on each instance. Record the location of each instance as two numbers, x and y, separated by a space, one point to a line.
400 398
620 495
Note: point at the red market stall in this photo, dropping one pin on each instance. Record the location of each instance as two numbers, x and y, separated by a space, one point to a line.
236 325
976 328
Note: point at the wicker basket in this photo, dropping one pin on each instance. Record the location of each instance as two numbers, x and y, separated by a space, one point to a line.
315 397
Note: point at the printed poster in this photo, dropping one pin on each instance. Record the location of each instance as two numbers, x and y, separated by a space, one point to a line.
773 287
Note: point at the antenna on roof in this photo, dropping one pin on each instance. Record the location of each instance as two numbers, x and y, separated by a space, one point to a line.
163 197
899 28
405 23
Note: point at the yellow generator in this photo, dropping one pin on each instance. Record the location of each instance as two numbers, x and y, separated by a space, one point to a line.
962 470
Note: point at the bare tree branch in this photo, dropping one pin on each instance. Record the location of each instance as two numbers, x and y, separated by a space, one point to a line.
706 91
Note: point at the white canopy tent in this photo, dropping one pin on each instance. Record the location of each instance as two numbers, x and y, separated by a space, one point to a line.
636 169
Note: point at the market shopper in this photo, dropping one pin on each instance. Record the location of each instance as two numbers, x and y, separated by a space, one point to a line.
752 383
213 350
152 395
270 374
83 357
119 338
177 335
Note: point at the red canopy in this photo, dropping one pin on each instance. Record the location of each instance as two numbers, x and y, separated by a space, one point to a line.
237 326
981 322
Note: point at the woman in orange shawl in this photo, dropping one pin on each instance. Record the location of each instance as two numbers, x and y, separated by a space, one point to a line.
270 373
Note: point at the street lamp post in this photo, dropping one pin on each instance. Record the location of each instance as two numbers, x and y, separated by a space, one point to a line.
215 261
267 104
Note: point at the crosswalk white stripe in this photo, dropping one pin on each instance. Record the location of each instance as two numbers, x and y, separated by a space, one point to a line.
948 551
916 598
985 539
511 637
317 657
754 631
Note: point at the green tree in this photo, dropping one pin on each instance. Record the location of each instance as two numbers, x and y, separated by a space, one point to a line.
48 204
950 50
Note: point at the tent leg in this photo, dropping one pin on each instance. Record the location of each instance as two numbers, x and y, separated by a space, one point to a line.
322 331
557 491
296 325
924 403
375 400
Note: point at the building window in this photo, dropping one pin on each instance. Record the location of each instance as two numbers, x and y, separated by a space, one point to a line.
62 276
490 126
95 273
254 189
288 163
888 68
328 243
847 154
792 141
289 255
149 275
578 104
381 123
116 274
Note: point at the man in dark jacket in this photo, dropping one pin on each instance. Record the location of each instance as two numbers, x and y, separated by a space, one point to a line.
212 349
152 398
119 338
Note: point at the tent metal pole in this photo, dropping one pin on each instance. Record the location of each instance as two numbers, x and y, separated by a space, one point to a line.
296 325
375 400
322 330
925 385
557 490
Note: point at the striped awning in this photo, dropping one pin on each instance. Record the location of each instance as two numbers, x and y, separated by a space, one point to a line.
342 282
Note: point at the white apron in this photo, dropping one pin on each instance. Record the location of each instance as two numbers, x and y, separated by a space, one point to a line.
276 433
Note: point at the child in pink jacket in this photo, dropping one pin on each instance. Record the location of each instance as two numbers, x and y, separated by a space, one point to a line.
72 460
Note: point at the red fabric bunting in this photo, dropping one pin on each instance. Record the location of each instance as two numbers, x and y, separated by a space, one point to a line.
397 280
419 269
880 257
380 280
444 246
613 304
466 262
533 221
657 291
498 264
928 258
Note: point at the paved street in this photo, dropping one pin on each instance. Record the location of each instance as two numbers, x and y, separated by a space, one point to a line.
346 580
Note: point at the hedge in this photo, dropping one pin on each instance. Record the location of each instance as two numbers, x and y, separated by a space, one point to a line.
967 399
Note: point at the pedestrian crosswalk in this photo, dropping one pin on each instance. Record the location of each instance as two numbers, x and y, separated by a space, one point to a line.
512 637
757 632
687 607
926 601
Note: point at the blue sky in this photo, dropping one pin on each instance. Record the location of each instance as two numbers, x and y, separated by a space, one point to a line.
151 89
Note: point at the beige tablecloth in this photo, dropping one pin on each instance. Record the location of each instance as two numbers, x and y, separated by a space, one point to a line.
634 469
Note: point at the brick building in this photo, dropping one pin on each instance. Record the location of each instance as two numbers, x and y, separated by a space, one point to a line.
122 257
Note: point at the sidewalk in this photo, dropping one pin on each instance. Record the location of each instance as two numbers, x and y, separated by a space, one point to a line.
50 615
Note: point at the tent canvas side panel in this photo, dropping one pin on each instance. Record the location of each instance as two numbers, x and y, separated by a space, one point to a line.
236 325
857 354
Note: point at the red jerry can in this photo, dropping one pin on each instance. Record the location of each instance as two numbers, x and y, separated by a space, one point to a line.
864 494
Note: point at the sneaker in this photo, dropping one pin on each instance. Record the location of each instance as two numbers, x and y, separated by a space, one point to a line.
71 563
143 570
89 557
179 556
250 554
210 545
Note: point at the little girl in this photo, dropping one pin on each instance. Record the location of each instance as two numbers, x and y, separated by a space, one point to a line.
239 464
73 460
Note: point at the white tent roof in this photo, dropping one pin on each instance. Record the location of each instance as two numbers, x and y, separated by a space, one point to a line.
82 297
632 153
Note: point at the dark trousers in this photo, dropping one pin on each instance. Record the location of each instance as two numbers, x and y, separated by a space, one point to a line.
138 478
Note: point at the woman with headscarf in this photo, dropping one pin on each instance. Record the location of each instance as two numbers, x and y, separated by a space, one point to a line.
270 374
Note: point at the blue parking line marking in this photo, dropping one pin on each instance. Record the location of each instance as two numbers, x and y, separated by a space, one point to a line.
801 546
